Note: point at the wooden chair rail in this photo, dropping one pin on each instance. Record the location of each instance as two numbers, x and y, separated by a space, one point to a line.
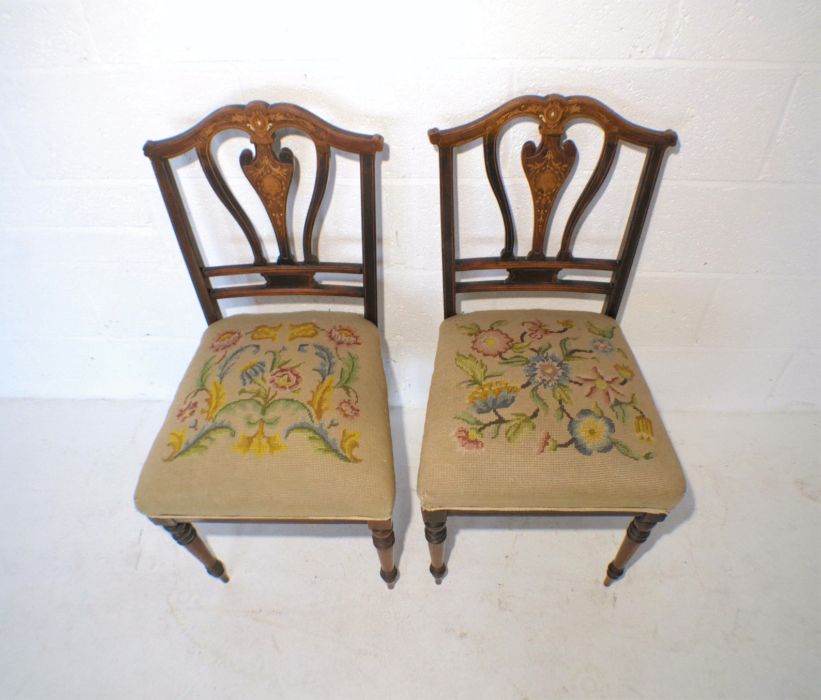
270 171
262 290
277 268
593 264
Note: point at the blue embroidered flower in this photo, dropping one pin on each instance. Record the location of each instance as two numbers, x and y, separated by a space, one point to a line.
602 345
591 432
251 371
492 396
547 371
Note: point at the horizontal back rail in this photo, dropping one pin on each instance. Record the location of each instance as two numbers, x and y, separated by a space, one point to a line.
270 171
547 167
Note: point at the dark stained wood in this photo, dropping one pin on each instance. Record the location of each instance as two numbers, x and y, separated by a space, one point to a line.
384 539
637 532
547 168
270 171
436 533
491 152
186 535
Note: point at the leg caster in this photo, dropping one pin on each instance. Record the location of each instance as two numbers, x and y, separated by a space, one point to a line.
383 540
436 533
637 532
185 535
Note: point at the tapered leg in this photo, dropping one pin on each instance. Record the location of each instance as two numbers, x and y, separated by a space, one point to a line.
383 539
184 534
436 533
637 532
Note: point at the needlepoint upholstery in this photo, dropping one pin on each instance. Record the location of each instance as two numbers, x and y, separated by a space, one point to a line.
278 416
543 410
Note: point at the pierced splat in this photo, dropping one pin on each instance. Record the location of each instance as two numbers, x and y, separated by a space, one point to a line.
547 168
270 171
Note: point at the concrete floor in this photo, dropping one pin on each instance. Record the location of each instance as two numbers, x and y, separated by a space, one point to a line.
97 602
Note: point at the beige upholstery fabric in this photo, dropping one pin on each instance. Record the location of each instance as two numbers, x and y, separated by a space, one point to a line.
278 416
543 410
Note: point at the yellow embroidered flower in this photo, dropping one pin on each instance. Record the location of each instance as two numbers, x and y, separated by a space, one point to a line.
259 443
625 372
302 330
567 323
644 428
349 442
492 396
265 332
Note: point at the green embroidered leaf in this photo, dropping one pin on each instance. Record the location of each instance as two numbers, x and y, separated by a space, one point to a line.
495 430
562 394
470 329
601 332
544 349
467 418
565 346
569 354
520 347
496 324
200 442
350 370
290 404
559 413
597 409
520 423
472 366
619 410
204 372
516 361
625 450
649 455
250 404
538 400
319 438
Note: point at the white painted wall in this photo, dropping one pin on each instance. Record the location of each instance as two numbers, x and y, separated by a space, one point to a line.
96 302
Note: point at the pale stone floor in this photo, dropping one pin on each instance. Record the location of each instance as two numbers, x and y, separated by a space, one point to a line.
97 602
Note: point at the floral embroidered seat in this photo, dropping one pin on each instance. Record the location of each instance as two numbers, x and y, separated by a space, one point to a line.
278 416
543 410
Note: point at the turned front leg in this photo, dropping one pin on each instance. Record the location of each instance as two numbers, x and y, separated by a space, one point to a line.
185 535
637 532
436 533
383 539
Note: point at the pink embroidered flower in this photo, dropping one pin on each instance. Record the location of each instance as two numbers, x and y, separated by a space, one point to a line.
187 411
468 439
601 388
492 342
348 408
225 340
285 379
536 329
344 335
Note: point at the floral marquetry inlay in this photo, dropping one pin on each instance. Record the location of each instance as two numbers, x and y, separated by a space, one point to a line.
546 168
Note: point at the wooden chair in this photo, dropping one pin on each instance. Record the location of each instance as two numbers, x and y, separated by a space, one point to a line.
280 416
537 412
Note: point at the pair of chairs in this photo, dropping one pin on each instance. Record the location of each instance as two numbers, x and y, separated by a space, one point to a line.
284 416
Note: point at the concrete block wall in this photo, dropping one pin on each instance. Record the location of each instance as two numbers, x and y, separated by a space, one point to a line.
723 310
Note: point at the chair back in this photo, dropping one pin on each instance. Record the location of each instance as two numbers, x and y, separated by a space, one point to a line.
547 168
270 172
